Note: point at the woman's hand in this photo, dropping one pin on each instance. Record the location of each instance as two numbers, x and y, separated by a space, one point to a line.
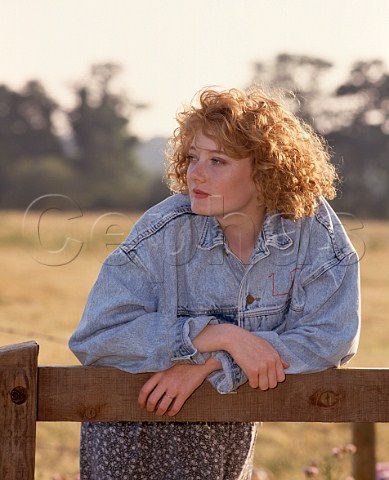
167 391
258 359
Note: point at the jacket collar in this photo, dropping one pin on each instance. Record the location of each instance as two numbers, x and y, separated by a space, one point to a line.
273 233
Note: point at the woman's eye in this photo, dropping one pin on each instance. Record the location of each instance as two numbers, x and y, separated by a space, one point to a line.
190 158
217 161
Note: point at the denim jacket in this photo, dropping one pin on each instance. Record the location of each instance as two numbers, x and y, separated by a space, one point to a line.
175 274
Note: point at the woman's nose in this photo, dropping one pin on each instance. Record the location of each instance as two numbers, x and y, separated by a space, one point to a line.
196 171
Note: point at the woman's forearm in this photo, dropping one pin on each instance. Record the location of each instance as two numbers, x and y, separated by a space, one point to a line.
215 337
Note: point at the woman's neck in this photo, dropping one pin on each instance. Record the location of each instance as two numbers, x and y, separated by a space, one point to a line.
241 233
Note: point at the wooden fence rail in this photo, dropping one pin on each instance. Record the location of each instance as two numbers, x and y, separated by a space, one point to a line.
29 393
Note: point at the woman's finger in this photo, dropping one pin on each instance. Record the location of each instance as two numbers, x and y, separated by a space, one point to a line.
176 406
280 371
284 364
165 402
272 376
154 398
263 382
147 388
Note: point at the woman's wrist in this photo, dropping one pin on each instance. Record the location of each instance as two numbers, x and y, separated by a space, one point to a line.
203 370
211 365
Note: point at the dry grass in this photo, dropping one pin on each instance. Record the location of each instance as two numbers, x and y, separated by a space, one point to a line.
44 303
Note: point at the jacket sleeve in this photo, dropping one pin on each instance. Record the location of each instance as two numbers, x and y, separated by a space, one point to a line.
121 325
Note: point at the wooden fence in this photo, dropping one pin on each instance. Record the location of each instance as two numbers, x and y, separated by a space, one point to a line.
29 393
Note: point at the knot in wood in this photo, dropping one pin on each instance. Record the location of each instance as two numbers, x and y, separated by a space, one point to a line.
19 395
328 398
90 412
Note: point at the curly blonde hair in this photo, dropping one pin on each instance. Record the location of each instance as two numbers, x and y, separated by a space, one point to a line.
290 162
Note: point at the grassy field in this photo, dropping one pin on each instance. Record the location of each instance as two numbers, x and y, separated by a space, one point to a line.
44 283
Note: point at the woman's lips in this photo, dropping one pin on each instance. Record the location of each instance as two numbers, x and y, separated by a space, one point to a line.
199 193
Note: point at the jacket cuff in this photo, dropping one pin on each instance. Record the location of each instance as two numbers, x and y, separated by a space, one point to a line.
230 377
183 350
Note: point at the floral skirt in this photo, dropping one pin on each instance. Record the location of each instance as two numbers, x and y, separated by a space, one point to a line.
167 451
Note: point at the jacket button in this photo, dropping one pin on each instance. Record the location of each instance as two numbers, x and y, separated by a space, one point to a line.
249 299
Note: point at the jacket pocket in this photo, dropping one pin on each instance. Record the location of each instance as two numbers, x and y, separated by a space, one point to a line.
271 318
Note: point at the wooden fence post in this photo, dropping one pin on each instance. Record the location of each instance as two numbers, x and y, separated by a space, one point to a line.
364 461
18 410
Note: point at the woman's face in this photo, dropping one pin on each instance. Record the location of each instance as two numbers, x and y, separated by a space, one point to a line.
219 185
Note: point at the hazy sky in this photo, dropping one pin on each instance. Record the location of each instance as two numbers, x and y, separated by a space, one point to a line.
171 48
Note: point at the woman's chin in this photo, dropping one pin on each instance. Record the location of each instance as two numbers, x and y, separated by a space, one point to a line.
209 206
200 209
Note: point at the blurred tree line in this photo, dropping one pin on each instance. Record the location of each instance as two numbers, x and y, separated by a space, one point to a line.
97 164
353 117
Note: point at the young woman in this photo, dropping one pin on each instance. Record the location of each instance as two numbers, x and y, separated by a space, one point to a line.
243 274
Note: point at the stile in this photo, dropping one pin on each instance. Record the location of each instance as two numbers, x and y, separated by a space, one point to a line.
18 394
